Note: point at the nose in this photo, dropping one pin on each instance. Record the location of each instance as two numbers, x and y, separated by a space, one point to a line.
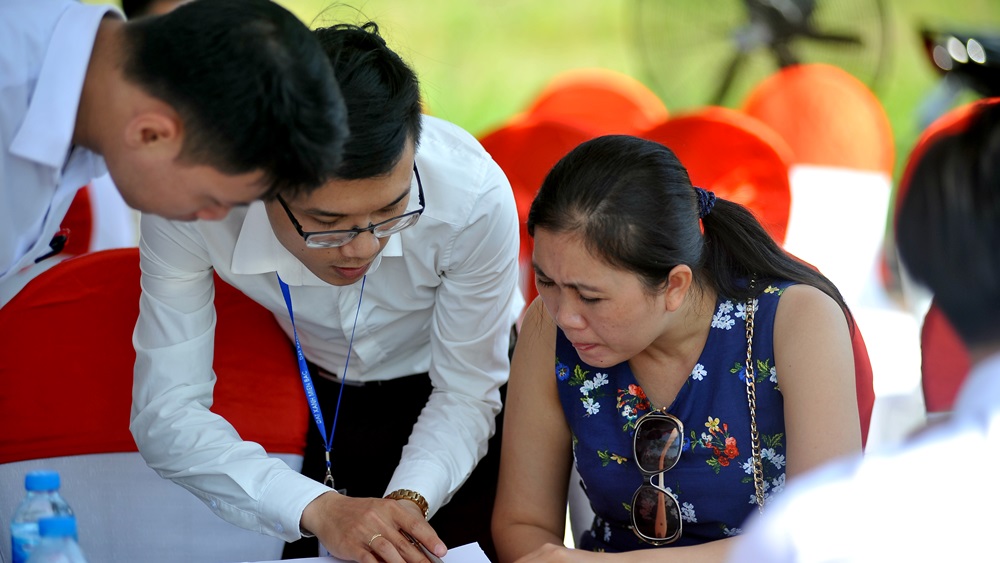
365 245
213 212
566 315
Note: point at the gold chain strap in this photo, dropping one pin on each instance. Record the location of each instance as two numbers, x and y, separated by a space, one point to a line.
758 466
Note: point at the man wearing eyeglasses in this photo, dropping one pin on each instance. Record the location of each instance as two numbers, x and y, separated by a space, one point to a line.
401 277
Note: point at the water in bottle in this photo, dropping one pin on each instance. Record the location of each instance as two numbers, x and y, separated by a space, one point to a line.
57 543
42 500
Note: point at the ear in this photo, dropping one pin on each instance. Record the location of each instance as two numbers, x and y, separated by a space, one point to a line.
155 133
676 287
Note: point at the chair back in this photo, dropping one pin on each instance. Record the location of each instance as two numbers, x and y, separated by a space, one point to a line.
599 100
66 359
737 157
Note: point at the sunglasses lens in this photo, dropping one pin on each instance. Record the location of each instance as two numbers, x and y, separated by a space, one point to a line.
655 515
657 443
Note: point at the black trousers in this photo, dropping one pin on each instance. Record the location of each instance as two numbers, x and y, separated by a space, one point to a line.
373 425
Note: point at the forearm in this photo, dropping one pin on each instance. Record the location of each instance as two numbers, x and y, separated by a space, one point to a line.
515 540
446 443
711 552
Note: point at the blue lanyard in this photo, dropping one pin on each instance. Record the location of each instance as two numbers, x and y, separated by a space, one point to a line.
307 382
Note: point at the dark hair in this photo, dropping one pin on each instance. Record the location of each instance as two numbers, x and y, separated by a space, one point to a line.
948 225
251 84
382 96
633 204
136 8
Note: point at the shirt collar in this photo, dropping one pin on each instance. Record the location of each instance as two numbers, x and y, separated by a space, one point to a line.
46 133
258 251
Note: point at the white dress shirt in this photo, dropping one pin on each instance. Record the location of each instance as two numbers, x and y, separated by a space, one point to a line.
441 298
45 47
932 499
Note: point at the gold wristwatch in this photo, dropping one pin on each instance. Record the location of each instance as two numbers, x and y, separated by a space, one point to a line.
412 496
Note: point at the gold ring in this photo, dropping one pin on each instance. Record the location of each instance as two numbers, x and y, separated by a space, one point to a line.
373 539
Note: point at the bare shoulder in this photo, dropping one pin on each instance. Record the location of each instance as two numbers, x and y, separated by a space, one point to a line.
538 329
803 305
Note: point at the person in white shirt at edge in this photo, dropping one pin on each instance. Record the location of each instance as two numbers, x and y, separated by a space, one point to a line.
930 498
429 307
164 104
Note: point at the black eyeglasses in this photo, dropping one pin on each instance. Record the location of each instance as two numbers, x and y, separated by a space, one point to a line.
656 445
333 239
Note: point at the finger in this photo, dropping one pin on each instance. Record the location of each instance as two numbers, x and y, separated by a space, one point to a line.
391 550
423 534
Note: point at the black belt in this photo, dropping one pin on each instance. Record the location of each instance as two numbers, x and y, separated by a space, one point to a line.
333 378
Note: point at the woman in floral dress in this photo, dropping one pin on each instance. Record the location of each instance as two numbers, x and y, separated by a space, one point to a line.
644 287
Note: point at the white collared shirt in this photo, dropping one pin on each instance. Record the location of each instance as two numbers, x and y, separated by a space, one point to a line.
45 47
932 499
441 299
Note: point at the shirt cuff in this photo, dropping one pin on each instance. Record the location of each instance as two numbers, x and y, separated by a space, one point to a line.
283 503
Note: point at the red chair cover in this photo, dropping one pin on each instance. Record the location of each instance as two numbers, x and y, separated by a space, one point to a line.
67 362
735 156
79 220
945 362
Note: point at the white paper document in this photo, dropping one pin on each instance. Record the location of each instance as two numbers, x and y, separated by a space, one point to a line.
468 553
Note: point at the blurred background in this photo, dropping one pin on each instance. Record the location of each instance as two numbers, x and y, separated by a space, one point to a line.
481 62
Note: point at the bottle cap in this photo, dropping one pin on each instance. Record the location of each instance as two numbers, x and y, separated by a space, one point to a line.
57 527
41 480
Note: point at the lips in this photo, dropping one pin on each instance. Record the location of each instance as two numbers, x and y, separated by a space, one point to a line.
352 273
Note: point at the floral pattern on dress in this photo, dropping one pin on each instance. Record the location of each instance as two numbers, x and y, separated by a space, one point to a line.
589 388
631 402
717 439
722 318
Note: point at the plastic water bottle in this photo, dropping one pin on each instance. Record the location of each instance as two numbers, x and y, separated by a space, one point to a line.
58 541
41 501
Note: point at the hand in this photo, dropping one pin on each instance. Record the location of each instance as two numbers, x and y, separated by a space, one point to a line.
368 529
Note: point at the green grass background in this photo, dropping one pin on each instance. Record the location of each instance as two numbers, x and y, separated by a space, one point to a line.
482 61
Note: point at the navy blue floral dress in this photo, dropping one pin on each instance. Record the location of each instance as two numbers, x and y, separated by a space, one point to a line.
713 481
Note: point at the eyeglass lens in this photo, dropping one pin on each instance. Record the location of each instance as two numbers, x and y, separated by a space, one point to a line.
657 444
655 514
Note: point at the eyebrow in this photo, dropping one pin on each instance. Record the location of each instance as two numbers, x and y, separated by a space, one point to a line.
334 215
576 286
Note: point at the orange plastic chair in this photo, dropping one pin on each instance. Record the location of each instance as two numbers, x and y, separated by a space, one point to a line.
67 363
827 116
737 157
599 100
526 149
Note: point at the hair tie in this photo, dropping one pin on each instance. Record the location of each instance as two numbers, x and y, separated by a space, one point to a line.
706 201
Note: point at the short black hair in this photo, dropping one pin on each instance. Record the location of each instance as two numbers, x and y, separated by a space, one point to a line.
251 84
382 96
948 225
